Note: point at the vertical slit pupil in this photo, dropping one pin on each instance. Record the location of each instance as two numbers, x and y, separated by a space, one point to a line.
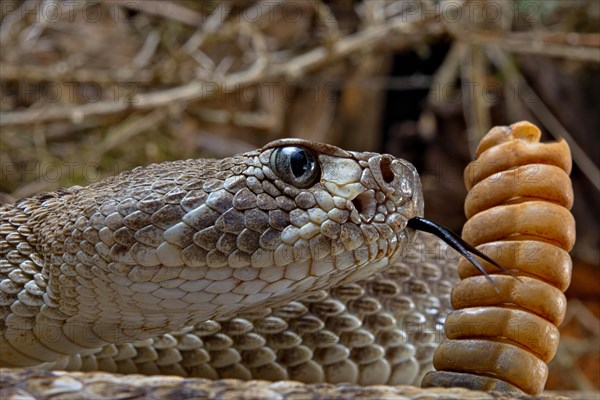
299 163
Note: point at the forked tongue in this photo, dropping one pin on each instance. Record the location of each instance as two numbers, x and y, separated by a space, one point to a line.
458 244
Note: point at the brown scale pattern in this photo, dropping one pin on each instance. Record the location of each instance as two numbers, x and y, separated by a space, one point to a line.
518 207
378 331
163 247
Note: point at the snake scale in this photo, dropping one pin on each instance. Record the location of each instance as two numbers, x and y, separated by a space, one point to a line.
291 262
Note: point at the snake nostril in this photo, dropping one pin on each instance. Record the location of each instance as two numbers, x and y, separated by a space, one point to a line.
385 165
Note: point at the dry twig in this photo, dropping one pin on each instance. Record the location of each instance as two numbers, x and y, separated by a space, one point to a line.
292 69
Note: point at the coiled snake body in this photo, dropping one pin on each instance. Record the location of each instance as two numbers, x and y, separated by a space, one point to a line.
244 268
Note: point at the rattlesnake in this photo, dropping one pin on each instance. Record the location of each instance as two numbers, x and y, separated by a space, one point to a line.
293 261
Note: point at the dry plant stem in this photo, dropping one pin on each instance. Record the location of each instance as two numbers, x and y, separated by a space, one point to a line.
476 110
213 22
523 221
57 72
545 45
517 44
446 74
566 38
170 10
535 104
292 69
131 127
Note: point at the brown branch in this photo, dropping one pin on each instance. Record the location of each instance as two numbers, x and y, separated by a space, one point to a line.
531 44
291 69
541 111
476 110
170 10
57 73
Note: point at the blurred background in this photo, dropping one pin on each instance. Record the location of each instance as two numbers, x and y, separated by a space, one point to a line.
92 88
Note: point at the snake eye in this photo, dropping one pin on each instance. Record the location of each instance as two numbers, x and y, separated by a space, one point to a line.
295 165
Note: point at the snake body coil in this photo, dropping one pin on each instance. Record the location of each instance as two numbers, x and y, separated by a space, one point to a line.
189 267
518 209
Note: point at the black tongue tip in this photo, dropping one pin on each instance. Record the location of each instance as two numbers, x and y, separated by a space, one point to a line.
457 243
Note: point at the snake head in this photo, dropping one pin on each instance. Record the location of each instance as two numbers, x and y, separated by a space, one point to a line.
352 207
